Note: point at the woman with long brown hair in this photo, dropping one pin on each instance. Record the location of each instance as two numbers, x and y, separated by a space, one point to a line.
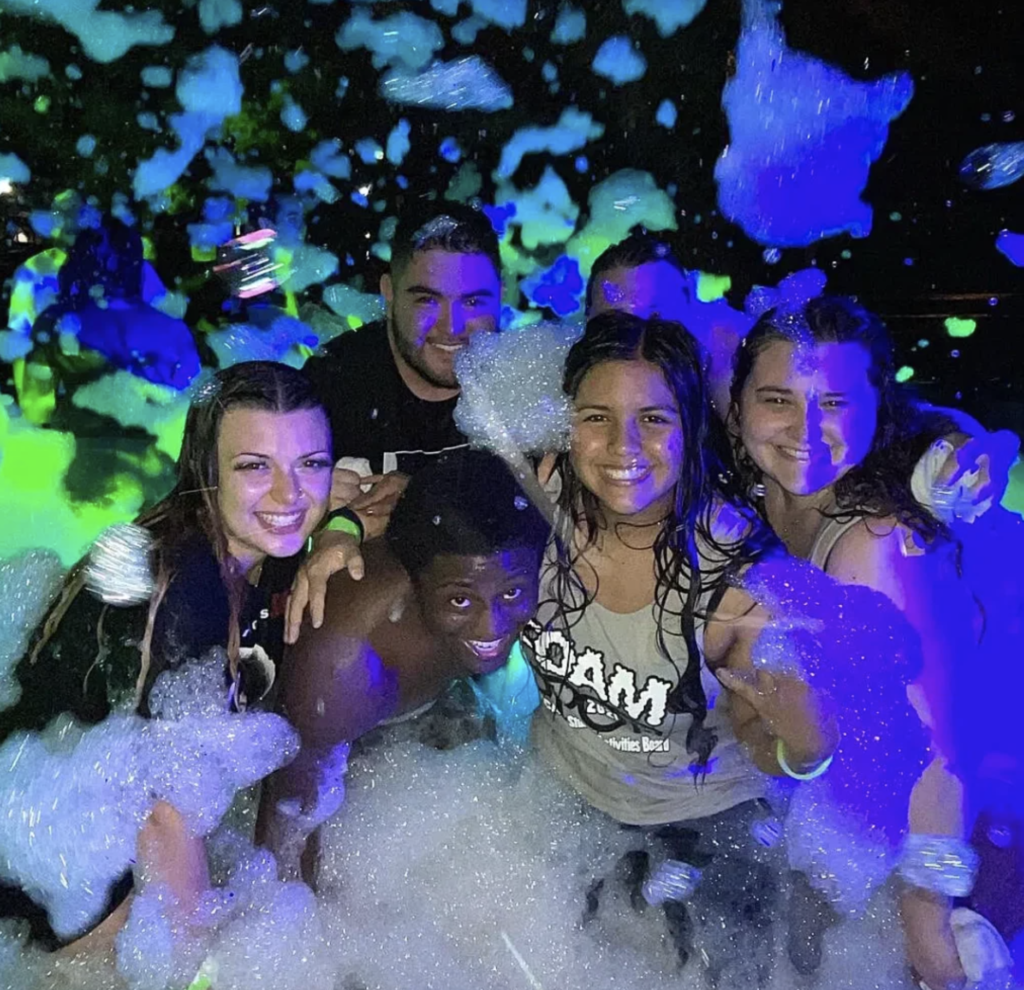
254 479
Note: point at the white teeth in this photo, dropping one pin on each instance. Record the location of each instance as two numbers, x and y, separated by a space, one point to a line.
479 647
280 518
625 474
449 348
797 455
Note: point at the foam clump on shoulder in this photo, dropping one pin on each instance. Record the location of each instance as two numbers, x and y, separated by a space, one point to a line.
512 400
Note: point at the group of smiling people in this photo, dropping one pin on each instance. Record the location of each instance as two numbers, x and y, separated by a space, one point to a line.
337 510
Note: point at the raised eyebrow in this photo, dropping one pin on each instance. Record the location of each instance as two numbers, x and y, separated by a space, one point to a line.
314 453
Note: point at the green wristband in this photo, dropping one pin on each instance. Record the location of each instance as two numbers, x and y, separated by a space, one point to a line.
344 521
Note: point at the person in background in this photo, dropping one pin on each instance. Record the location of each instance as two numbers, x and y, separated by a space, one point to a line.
390 388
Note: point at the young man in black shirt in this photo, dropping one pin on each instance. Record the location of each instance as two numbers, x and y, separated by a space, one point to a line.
389 388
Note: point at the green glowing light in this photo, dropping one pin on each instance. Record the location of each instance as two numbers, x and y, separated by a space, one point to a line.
37 511
42 104
895 216
1013 500
957 327
712 287
905 373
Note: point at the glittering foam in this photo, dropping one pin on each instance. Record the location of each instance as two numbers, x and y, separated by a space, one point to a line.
119 571
512 400
858 651
463 84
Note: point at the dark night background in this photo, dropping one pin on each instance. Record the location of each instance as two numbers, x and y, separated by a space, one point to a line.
938 259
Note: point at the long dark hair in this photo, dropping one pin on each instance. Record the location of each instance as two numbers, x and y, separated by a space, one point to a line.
190 510
691 565
879 486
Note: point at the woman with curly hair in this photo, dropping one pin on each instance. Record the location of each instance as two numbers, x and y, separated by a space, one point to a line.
830 441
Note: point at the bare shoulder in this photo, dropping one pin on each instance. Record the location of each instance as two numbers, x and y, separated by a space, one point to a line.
887 555
355 608
737 620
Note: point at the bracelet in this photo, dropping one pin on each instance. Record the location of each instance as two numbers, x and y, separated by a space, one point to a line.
942 864
344 521
780 756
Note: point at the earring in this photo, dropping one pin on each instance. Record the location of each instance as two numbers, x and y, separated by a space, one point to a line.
758 490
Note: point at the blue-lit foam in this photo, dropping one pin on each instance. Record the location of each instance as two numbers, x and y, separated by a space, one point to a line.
668 15
1011 246
572 131
16 64
618 60
570 26
105 35
13 169
401 40
559 288
545 214
398 143
215 14
993 166
462 84
803 137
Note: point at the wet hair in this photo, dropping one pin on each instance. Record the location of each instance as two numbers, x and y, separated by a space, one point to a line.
464 503
640 248
446 227
880 485
109 257
190 509
691 564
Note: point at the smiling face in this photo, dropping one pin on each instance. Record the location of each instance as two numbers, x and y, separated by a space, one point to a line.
807 415
274 480
627 439
654 288
434 304
477 606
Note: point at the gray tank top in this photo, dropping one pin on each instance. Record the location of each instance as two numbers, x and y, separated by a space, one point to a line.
831 532
604 726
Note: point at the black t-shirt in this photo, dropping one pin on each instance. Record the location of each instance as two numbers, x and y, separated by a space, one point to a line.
372 412
90 665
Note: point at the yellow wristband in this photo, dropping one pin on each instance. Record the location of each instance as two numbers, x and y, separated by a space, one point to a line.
780 756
